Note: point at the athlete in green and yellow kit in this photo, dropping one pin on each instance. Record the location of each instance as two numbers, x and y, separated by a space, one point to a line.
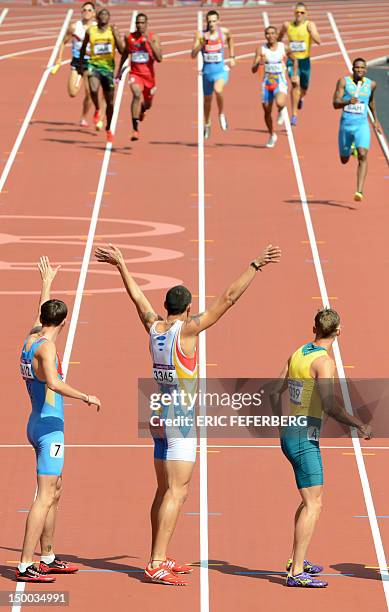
103 40
309 377
300 33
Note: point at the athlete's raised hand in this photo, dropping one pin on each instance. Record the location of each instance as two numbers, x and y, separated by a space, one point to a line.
365 431
92 400
111 255
271 254
47 272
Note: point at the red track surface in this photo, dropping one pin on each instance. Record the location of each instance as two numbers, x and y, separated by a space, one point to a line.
103 522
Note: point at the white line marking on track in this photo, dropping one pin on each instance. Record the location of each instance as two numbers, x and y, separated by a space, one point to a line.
381 137
27 52
338 360
3 15
34 102
365 448
204 573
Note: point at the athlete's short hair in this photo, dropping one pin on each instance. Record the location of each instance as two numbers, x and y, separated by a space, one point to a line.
359 59
88 4
177 300
102 11
270 27
53 312
141 15
300 4
327 322
211 13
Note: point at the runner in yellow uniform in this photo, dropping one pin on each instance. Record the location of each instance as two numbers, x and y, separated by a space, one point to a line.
103 40
309 377
301 33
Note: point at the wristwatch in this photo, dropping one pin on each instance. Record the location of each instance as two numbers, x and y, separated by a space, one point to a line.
255 266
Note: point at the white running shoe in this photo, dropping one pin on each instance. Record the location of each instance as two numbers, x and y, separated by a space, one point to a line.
207 131
223 122
280 120
272 141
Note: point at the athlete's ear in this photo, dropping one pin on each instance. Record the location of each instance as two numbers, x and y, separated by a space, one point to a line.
188 309
338 331
314 330
164 305
63 323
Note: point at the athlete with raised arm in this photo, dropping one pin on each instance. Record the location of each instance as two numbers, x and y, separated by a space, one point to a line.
173 341
309 377
41 370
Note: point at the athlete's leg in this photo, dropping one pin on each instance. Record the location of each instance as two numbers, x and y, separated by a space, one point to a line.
94 86
362 168
73 87
218 89
45 498
87 101
207 108
306 519
295 94
158 498
47 536
109 100
280 100
178 474
136 100
267 109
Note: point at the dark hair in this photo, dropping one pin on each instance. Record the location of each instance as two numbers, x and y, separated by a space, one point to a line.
300 4
270 27
53 312
177 300
327 322
141 15
210 13
87 3
102 10
358 59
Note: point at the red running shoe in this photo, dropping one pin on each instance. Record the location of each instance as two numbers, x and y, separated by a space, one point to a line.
57 567
96 117
135 135
109 136
32 574
163 575
178 569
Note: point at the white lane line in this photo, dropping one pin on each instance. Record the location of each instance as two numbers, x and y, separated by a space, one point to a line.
204 553
3 15
34 102
381 137
27 52
337 53
364 448
339 364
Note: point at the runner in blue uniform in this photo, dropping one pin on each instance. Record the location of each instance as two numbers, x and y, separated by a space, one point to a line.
41 370
211 44
354 95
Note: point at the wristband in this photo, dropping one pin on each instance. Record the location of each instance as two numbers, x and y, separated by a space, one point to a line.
87 399
255 266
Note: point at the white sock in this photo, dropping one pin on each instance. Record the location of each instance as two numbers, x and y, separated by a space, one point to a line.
23 566
48 558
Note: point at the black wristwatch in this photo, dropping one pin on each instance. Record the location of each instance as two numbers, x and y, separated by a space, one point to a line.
255 266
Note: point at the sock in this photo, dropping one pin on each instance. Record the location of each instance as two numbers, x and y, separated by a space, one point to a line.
48 558
23 566
135 123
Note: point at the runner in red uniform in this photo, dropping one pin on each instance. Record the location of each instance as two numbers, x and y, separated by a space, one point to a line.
143 49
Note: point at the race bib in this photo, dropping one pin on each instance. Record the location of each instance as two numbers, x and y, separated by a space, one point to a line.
140 57
356 109
164 374
56 450
275 68
26 370
103 48
313 433
212 58
297 46
295 391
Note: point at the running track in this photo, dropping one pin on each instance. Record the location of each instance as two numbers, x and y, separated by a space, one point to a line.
251 198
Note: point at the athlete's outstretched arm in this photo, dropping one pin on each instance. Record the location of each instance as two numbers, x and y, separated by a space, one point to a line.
283 31
312 29
83 51
197 323
46 355
155 45
47 276
145 310
198 42
118 39
258 60
291 56
324 370
231 48
65 41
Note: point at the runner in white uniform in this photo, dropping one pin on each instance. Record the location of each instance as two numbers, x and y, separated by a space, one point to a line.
273 56
76 33
173 341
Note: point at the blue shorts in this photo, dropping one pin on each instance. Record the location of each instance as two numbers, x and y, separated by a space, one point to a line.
210 79
272 85
349 133
46 435
304 455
